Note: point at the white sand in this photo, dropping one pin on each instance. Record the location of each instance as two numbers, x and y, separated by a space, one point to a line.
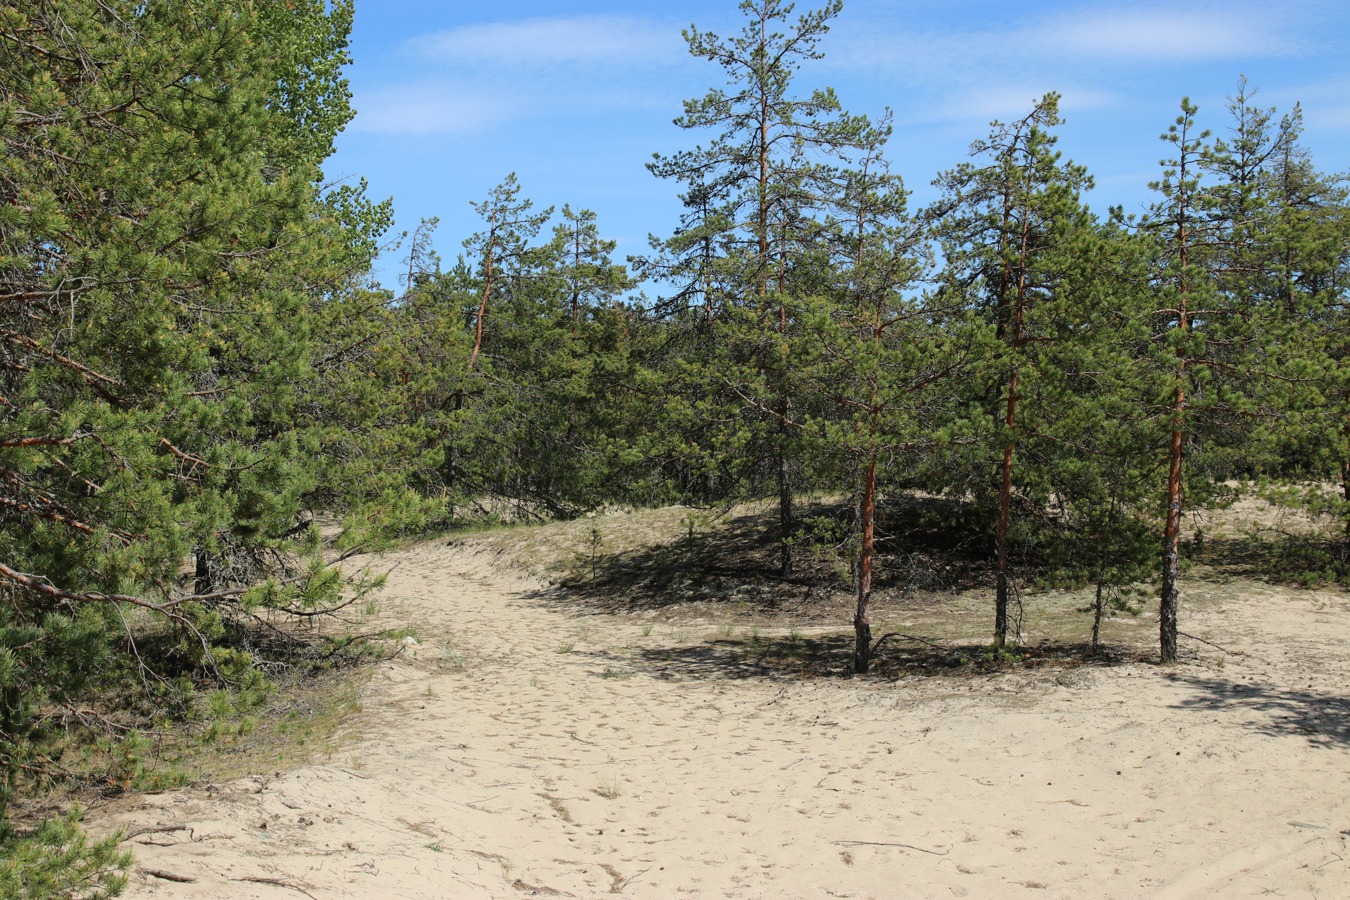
493 765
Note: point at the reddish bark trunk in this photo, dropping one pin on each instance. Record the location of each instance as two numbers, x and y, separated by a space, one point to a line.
1171 574
482 308
862 625
784 512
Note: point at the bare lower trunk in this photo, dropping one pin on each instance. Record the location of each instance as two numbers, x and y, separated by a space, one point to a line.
1098 610
862 625
1004 515
202 576
452 464
1345 493
1171 562
784 513
1001 585
1099 606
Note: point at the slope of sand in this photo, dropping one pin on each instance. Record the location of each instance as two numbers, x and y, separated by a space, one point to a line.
520 750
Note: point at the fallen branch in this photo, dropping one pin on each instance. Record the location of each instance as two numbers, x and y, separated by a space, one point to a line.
624 884
167 876
275 882
156 829
888 844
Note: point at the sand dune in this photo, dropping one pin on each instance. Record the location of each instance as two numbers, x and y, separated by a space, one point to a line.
519 750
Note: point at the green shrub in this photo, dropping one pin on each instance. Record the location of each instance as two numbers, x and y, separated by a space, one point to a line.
57 861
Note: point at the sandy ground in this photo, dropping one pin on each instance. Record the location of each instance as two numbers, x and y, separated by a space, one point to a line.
524 750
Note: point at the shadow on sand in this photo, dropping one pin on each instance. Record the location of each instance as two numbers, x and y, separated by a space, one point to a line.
925 544
831 656
1322 719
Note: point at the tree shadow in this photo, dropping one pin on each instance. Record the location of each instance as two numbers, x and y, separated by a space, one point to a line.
1235 557
923 544
697 566
741 658
1322 719
801 657
1280 558
933 543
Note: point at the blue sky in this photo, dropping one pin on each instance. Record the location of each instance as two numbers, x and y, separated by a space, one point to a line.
574 97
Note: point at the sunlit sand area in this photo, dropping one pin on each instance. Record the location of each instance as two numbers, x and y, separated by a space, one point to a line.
537 741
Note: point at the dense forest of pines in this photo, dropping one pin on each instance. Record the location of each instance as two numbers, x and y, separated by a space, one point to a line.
194 362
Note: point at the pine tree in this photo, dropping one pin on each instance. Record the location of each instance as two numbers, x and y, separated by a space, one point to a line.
890 356
561 376
1189 319
762 177
162 239
503 261
1092 447
1282 230
1308 276
1015 235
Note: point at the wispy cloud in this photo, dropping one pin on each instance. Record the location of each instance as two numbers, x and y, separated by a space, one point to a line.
1084 53
1160 34
428 109
477 77
1332 117
540 42
1008 101
1324 101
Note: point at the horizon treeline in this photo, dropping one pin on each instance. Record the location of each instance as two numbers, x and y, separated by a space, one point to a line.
195 362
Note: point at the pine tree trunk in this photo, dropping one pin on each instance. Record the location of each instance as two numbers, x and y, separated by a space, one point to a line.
862 625
1001 589
483 302
1097 613
784 513
202 576
1099 607
1171 563
452 464
1345 494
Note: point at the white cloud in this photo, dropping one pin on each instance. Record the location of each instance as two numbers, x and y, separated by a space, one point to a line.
1324 102
1089 55
1007 102
477 77
1075 100
1160 34
1081 44
536 43
1337 117
459 106
428 109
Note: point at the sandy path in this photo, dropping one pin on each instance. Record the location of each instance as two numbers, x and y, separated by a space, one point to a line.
644 764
